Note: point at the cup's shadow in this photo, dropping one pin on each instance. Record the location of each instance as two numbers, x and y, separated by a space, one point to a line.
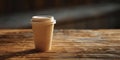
20 53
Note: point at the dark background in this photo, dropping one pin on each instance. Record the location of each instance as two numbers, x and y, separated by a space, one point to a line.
70 14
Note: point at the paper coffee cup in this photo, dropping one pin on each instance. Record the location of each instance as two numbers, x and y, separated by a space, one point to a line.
43 27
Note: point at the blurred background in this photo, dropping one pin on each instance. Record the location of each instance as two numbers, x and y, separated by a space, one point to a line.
70 14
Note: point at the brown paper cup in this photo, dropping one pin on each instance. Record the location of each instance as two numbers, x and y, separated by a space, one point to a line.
43 32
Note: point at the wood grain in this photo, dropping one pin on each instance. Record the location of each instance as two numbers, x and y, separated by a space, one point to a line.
67 45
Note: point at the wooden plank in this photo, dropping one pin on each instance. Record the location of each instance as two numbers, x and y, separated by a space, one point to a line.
67 45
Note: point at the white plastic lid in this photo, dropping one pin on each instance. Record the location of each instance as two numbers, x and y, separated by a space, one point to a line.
37 18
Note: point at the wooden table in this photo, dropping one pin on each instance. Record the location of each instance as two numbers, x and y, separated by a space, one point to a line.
67 45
